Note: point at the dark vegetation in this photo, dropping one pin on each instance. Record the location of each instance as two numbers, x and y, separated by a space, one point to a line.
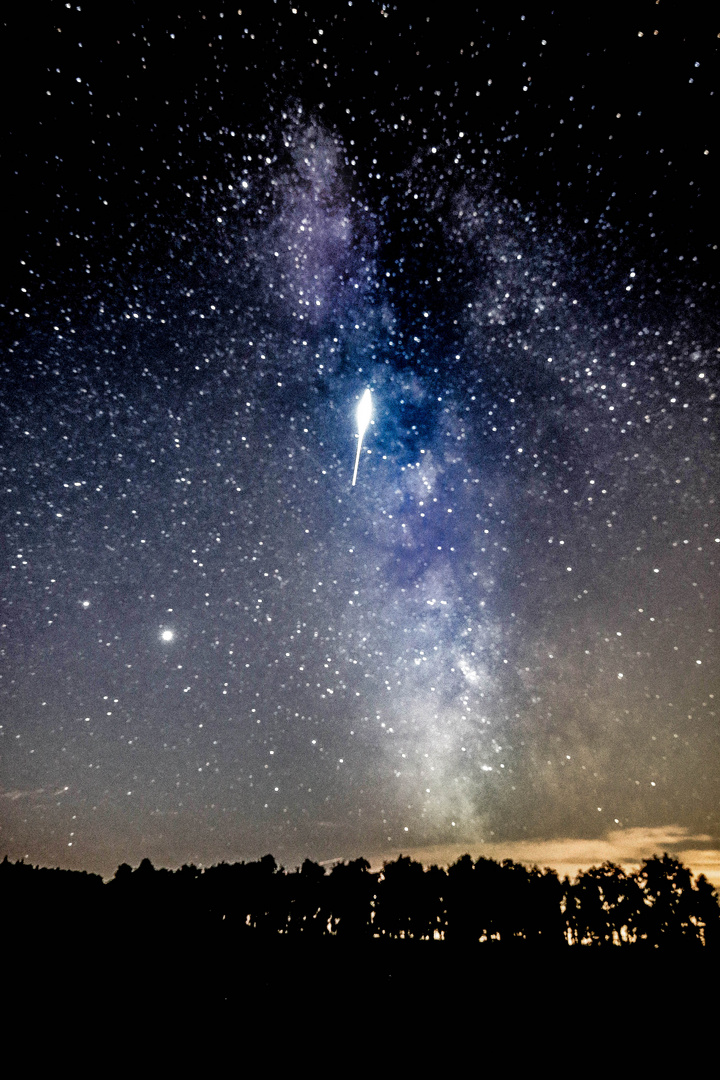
252 951
482 903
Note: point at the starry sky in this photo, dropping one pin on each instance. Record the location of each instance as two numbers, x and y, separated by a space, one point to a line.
222 227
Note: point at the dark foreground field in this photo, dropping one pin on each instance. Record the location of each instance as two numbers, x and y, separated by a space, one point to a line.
365 985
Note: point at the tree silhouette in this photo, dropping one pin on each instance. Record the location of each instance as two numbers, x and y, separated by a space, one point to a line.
463 921
544 922
434 914
409 904
256 901
706 912
668 915
351 889
658 906
309 912
604 906
492 896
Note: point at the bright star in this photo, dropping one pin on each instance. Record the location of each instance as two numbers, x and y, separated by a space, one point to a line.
167 635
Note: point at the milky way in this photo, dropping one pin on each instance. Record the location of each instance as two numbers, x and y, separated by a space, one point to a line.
226 228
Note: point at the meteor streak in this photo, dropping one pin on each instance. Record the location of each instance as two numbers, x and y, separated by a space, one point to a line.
364 412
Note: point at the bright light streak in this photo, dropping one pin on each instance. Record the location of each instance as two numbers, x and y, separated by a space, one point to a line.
364 412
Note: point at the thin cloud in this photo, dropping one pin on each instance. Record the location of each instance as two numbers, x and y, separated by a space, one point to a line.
568 855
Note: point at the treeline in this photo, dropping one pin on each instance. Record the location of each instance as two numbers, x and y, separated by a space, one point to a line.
472 901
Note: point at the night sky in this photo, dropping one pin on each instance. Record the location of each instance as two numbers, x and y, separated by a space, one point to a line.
223 226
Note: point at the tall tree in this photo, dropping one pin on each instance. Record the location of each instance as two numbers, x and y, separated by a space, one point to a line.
351 891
